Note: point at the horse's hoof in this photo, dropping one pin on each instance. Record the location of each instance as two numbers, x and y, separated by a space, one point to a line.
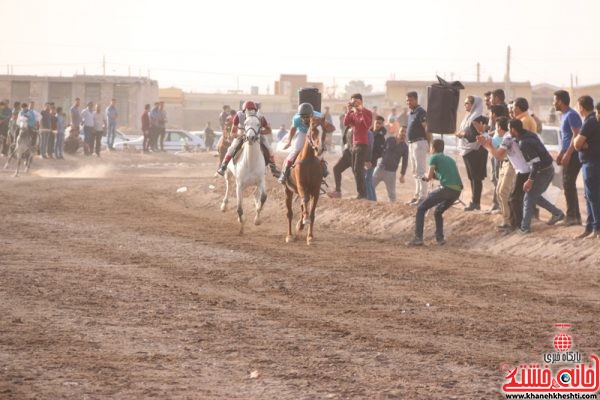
309 241
289 239
223 207
257 222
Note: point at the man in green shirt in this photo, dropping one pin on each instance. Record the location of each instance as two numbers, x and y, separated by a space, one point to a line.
442 168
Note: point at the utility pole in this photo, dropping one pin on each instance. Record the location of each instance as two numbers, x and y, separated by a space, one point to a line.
478 71
103 65
507 73
571 82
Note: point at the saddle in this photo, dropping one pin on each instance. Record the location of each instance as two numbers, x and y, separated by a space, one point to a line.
238 153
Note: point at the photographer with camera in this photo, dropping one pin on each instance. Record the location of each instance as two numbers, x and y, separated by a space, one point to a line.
360 120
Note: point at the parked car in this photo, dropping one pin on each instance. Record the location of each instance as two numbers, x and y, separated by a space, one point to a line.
552 139
200 135
450 142
120 138
175 140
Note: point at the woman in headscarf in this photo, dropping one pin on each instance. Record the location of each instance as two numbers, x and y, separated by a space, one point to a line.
473 154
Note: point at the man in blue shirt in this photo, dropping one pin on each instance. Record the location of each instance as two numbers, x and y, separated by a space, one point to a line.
588 145
111 124
570 124
395 149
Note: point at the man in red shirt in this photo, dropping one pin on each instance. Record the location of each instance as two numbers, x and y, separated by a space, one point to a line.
360 119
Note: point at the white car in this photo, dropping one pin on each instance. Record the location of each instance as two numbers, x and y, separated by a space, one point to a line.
450 142
175 140
120 138
200 135
551 138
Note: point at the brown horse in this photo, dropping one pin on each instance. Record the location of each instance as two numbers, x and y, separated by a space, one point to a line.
224 143
305 179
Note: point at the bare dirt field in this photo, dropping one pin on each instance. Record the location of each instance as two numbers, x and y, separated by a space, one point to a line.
115 286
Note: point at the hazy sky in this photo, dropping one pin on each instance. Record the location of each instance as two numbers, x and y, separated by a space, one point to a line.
219 45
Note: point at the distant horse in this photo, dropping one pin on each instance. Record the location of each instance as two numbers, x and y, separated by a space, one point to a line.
23 150
249 170
305 180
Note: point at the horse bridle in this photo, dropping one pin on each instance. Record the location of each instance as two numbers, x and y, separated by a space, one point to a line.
257 133
316 148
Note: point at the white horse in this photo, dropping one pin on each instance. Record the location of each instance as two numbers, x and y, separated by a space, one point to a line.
248 170
23 150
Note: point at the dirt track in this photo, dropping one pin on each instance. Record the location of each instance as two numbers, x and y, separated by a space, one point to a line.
112 285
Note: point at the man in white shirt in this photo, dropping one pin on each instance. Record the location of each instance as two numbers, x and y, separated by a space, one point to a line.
510 148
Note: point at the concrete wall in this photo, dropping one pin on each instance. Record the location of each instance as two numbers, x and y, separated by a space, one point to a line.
140 91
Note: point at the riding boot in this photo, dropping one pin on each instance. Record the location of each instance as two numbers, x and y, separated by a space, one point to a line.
285 174
223 167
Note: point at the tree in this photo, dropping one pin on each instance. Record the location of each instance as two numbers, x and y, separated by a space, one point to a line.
357 87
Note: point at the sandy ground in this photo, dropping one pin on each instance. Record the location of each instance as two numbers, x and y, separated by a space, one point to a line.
113 285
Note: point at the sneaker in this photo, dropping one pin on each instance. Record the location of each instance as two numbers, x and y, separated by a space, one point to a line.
412 202
415 242
593 235
556 218
522 231
440 241
334 194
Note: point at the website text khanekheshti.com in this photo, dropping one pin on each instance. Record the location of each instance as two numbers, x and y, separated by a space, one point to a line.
551 396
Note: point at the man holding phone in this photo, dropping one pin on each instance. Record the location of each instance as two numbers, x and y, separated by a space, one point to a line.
360 119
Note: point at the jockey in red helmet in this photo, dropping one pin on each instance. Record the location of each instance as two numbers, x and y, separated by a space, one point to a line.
249 108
